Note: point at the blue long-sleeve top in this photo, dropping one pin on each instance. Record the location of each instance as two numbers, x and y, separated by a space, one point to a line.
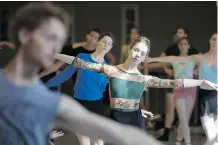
89 85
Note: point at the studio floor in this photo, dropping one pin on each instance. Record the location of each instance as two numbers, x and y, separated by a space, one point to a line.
196 135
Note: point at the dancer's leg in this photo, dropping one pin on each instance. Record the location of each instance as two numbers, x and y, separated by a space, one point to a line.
209 120
170 108
181 109
216 124
208 124
190 101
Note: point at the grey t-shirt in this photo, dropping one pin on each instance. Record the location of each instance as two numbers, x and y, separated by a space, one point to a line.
25 113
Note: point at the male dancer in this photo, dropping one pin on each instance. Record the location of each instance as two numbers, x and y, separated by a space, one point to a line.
88 47
27 107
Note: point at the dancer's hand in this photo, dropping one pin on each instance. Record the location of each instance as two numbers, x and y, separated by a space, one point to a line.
146 113
56 134
213 85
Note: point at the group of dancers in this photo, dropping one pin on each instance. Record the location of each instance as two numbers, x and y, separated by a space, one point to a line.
28 108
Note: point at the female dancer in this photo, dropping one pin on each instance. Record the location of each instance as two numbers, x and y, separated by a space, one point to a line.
208 97
89 98
127 84
184 97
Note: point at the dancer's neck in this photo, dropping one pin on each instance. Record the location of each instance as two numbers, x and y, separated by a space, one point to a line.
90 47
130 66
20 71
98 56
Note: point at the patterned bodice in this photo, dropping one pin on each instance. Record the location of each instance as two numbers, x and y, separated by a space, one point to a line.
125 95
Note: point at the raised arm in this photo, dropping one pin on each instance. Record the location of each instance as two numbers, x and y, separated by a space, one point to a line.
177 59
75 118
156 82
7 44
78 44
61 77
77 62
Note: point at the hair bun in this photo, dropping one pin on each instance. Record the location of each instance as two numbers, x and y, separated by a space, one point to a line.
143 38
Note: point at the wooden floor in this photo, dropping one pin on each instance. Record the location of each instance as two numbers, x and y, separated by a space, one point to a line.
196 133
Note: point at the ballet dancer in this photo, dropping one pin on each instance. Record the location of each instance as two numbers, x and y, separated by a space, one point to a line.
127 84
208 97
173 50
89 98
27 106
89 47
184 97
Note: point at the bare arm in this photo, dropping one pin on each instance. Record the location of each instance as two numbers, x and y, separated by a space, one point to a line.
78 44
56 66
7 44
154 65
75 118
177 59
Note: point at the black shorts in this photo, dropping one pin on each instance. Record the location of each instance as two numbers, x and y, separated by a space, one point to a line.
133 118
208 101
93 106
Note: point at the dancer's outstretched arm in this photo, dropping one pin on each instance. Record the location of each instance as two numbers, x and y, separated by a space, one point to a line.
176 59
156 82
7 44
64 58
75 118
61 77
77 62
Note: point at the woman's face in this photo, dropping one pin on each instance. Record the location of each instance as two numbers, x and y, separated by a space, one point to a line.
105 44
183 46
213 42
138 53
180 33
